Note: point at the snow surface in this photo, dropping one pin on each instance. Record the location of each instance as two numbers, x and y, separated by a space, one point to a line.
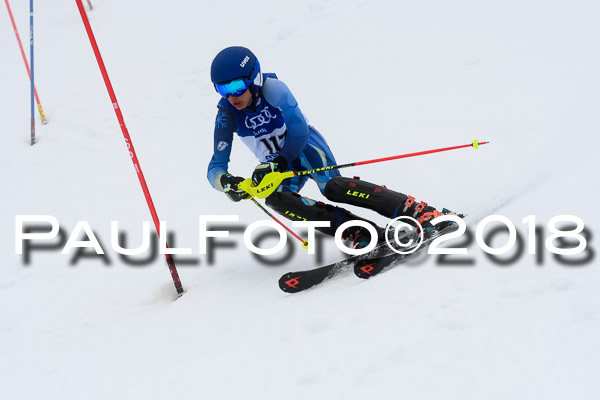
377 78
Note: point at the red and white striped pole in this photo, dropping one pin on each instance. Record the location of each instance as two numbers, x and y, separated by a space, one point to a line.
128 142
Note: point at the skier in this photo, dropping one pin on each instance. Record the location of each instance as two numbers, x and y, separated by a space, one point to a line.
264 114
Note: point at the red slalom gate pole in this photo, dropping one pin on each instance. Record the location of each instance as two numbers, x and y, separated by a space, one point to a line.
37 98
134 159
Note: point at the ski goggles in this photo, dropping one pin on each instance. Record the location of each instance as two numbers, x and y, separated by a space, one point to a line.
234 88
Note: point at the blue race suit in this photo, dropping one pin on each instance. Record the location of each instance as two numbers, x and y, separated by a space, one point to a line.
271 126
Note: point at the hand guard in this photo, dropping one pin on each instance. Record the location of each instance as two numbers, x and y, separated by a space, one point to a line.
278 164
230 186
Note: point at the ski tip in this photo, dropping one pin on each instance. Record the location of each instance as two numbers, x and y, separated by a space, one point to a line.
364 269
290 282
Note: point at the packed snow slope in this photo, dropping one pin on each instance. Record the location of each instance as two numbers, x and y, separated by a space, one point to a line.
377 78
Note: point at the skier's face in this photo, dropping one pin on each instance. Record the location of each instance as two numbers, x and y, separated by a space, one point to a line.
242 101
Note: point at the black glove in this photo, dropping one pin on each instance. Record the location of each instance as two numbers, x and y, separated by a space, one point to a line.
278 164
230 186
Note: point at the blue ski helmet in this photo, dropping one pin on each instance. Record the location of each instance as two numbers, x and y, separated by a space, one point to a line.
234 70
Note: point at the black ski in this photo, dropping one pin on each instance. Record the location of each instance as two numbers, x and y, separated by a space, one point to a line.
372 265
373 262
294 282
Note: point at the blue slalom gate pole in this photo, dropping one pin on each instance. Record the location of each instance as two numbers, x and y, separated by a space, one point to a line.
37 97
32 69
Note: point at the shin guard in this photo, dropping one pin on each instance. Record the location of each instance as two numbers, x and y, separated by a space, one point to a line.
380 199
365 194
298 208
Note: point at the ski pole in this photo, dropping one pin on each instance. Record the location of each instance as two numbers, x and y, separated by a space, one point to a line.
272 180
37 98
294 234
129 143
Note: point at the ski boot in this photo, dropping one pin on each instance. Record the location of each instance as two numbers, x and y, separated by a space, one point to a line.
361 237
424 213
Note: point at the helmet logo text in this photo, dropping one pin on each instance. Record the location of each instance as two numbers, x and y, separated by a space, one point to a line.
244 61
